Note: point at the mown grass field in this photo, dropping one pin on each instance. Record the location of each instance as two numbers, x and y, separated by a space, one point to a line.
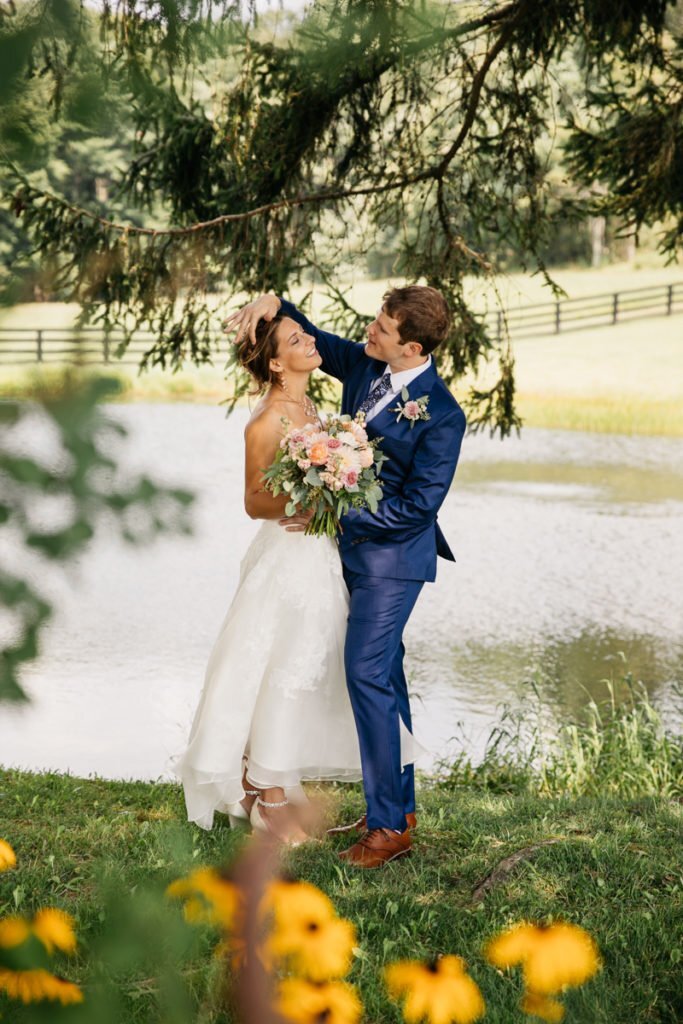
611 865
623 379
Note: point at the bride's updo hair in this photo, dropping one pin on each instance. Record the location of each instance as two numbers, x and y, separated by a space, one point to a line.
256 358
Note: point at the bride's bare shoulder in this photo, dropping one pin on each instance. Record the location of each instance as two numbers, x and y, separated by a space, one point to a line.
266 419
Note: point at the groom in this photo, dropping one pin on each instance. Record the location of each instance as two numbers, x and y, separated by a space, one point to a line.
388 555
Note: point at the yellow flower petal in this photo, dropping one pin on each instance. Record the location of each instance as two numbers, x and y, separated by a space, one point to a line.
13 931
8 857
512 946
564 955
334 1002
55 930
35 985
544 1007
290 901
211 899
317 950
440 993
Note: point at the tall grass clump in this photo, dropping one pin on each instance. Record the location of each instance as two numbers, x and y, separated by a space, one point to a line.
616 746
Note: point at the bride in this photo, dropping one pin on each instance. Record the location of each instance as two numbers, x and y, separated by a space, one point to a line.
274 709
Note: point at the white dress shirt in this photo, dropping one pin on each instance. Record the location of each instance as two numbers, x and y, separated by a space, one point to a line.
398 381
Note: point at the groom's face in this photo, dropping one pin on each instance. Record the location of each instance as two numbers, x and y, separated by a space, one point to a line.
384 341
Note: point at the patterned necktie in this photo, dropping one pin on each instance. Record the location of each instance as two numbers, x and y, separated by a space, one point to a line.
379 391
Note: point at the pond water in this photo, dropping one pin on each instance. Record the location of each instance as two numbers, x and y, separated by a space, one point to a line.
569 552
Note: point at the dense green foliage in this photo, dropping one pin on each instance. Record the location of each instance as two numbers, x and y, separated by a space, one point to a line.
268 154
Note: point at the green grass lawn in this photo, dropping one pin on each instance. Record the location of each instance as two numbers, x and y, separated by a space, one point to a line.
611 865
622 379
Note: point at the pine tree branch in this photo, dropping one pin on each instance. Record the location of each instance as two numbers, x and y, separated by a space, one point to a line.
509 15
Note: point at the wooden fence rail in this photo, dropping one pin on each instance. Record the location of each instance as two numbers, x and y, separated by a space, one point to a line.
93 345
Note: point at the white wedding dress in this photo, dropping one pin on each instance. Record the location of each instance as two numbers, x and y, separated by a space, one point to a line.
275 687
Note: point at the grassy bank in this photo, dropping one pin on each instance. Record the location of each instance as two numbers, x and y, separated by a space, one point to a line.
608 864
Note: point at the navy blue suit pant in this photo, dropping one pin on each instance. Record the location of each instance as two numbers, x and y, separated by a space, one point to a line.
373 657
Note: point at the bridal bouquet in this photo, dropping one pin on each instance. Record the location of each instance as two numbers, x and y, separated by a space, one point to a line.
329 471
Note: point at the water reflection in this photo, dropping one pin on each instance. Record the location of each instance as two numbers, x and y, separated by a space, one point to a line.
572 670
603 483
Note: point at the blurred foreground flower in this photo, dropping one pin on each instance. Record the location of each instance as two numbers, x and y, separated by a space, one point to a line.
544 1007
440 992
307 936
25 949
55 930
304 1002
553 958
210 898
35 985
7 856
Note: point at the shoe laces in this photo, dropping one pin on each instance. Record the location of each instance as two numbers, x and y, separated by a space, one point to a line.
369 833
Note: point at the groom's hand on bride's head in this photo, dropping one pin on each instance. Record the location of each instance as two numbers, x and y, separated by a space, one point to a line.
297 523
244 321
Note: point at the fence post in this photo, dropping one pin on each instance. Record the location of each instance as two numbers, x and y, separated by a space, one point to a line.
557 316
669 299
39 341
499 326
105 345
615 307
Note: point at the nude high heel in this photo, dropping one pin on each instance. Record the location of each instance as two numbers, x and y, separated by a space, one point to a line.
237 815
259 822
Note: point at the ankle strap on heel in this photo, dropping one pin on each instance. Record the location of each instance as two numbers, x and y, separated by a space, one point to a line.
266 803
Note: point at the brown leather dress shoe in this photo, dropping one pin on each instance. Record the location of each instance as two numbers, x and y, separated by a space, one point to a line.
377 847
361 825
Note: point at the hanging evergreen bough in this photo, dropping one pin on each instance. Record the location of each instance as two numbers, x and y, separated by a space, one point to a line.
266 155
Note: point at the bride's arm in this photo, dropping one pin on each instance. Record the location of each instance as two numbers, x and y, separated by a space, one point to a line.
262 437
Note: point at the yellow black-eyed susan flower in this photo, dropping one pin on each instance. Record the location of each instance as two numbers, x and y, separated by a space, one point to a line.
209 898
305 1002
55 930
32 986
317 950
292 899
439 992
306 934
544 1007
553 957
13 932
8 857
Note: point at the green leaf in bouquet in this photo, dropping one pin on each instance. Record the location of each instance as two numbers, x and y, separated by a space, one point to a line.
313 477
372 502
290 508
404 393
287 485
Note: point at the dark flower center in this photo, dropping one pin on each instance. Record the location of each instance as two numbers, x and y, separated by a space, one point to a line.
313 926
324 1015
433 965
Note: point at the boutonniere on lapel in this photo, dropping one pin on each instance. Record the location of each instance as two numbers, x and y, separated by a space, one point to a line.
413 409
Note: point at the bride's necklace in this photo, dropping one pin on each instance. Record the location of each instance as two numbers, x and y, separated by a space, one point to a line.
306 403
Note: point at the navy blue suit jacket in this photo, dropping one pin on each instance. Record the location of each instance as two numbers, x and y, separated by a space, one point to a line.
402 539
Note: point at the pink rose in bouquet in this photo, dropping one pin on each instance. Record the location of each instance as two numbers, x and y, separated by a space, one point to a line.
328 471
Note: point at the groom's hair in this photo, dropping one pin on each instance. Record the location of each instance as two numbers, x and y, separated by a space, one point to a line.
256 358
422 313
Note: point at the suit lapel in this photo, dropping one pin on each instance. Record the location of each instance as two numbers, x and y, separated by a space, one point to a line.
419 386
